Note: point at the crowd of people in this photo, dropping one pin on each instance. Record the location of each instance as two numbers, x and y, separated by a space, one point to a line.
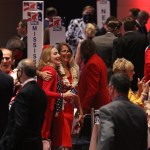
101 68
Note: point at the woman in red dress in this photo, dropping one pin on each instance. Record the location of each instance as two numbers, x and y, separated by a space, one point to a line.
62 123
49 60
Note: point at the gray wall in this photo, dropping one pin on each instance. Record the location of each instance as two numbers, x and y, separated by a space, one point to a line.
10 14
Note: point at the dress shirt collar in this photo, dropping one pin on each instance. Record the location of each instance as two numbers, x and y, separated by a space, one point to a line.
121 97
47 19
23 37
138 23
29 80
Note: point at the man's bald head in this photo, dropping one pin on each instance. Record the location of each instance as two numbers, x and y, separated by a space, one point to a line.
28 66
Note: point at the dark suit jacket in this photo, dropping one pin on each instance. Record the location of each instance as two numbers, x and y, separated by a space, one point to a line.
123 126
141 29
25 52
6 92
132 47
25 119
101 31
92 87
104 47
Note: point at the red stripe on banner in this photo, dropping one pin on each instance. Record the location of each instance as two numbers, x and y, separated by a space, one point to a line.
32 6
25 9
50 22
57 22
26 6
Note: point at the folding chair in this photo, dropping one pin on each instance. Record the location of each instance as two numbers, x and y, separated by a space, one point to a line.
82 141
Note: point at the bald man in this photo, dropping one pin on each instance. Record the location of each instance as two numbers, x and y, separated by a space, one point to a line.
26 115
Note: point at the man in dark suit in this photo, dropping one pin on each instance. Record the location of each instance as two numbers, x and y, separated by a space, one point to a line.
133 12
123 125
6 92
22 32
26 115
132 47
141 22
103 30
104 43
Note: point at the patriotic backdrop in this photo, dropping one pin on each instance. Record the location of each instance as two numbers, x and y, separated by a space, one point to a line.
33 12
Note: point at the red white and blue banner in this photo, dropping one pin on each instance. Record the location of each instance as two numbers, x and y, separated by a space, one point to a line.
33 11
35 35
32 6
103 11
57 30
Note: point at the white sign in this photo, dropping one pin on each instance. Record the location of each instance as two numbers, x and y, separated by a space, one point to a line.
103 11
35 35
57 30
32 6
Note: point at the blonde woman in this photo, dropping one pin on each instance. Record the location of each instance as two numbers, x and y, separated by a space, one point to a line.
49 61
122 65
90 31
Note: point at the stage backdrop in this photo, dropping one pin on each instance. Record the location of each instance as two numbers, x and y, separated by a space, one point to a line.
123 7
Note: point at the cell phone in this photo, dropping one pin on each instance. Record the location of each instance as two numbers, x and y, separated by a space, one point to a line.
74 91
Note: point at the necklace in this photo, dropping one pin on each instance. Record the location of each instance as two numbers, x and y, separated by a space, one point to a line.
74 73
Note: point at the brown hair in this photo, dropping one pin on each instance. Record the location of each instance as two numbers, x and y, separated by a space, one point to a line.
72 62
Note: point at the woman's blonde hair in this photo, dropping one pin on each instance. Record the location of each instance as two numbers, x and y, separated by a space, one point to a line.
45 58
90 30
121 65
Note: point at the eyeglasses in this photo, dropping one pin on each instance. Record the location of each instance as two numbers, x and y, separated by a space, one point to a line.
65 51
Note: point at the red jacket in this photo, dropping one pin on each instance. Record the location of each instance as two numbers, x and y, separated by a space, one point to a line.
147 64
92 87
49 88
